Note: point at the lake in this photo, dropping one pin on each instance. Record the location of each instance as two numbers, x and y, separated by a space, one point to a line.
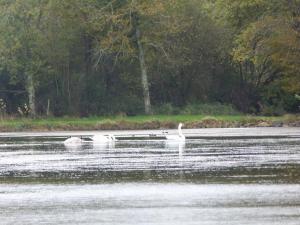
218 176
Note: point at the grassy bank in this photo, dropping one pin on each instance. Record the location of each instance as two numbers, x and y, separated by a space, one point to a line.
145 122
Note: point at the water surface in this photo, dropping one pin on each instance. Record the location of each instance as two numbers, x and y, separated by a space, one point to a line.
204 181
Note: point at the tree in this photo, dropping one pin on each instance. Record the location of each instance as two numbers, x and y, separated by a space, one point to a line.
123 56
265 43
21 43
130 29
270 47
195 64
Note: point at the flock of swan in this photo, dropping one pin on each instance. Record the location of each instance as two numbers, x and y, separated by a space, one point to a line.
104 139
96 139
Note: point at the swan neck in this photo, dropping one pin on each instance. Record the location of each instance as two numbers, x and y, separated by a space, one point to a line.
179 130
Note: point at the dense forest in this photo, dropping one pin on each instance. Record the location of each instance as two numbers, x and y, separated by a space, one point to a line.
106 57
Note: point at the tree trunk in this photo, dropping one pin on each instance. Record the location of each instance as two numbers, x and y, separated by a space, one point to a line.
31 95
144 75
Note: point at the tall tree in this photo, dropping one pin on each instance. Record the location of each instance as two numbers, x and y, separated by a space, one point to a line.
21 43
130 28
270 47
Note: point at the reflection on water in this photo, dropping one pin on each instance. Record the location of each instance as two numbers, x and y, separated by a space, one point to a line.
201 161
207 181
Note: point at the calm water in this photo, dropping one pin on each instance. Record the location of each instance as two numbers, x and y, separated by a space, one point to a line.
206 181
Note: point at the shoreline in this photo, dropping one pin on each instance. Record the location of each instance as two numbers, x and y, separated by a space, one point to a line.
146 123
201 133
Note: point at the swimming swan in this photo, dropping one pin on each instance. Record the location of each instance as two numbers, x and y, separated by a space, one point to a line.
179 137
99 138
73 141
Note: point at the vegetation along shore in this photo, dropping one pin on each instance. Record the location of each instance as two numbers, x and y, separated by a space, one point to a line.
146 122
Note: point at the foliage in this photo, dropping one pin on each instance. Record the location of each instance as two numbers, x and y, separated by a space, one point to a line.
209 109
143 122
197 109
103 57
166 109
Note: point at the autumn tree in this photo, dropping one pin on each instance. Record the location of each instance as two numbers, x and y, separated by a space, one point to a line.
21 43
130 29
92 57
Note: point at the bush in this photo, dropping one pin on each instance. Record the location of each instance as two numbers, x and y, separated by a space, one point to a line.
273 110
197 109
209 109
166 109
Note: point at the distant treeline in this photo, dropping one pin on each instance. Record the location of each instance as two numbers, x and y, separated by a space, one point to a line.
104 57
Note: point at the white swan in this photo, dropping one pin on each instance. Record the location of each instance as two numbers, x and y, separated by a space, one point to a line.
99 138
73 141
179 137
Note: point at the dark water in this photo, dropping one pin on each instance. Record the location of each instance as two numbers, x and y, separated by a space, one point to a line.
207 181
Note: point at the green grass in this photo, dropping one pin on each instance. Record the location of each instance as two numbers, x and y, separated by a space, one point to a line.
138 122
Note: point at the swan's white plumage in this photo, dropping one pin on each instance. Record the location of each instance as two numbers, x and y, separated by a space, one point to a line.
73 141
179 137
99 138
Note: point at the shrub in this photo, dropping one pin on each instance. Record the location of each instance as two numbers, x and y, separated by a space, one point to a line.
197 109
166 109
273 110
209 109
